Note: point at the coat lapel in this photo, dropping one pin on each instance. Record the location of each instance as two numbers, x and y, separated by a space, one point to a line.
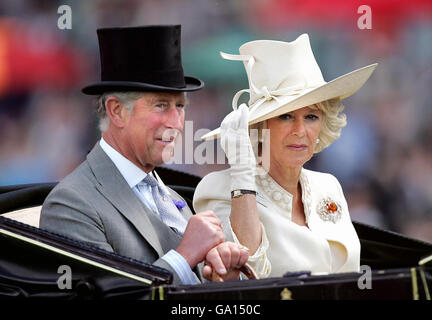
168 239
115 189
313 198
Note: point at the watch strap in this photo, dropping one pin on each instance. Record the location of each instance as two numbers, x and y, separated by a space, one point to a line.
240 192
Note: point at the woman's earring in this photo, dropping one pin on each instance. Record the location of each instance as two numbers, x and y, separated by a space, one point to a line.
317 140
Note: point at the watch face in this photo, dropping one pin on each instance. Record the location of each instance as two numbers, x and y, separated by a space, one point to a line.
236 194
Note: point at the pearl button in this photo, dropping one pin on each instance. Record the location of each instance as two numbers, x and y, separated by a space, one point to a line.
277 196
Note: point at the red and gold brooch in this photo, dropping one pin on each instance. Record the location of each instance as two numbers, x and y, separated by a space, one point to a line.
329 210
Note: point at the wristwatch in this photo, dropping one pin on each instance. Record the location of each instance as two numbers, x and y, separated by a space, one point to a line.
240 192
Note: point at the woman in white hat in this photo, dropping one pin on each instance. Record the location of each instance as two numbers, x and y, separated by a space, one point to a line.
290 218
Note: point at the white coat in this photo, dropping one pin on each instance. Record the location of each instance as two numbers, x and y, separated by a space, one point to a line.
328 244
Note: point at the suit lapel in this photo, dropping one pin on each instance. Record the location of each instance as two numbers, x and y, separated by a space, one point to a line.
168 239
185 211
115 189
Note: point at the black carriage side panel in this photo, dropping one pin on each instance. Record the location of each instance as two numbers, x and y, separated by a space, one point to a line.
30 260
381 249
395 284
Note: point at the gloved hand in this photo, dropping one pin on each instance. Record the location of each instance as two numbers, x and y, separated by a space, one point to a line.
238 149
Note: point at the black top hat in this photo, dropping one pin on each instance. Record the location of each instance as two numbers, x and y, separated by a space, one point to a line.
146 58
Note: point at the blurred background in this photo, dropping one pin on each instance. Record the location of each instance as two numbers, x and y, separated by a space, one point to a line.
383 159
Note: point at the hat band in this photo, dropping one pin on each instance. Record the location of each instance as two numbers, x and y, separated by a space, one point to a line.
174 78
263 94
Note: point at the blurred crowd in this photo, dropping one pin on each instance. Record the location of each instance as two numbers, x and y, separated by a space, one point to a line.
383 158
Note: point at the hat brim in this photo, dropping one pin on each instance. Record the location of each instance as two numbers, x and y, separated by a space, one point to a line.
341 87
192 84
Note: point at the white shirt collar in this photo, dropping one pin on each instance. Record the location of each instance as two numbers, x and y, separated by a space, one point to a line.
132 174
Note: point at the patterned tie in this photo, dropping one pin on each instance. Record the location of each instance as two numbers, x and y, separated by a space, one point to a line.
168 212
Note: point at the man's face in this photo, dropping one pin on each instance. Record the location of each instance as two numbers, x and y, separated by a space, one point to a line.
150 132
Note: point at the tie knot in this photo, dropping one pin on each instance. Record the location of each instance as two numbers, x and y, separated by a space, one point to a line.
150 180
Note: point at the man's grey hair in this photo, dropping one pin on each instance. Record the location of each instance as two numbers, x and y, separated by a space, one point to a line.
126 98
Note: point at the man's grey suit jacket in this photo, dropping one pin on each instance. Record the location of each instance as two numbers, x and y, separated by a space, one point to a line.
94 204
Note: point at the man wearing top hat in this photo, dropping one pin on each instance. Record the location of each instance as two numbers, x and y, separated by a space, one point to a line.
115 200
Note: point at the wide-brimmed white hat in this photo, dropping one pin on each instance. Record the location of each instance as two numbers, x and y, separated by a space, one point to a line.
284 76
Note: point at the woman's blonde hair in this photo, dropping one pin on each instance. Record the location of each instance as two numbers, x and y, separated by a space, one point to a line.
333 121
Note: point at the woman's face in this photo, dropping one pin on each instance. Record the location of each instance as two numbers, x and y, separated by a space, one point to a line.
293 137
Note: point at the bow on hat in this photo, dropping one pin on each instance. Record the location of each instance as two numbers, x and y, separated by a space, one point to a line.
263 94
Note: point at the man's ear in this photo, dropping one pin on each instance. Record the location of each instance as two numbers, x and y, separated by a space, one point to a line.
116 111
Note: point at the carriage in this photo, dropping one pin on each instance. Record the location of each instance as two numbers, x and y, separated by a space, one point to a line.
35 263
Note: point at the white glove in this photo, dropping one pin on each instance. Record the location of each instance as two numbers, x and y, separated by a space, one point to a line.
238 149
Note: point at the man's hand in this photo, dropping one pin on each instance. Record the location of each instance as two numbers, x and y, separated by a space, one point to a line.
225 259
203 232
